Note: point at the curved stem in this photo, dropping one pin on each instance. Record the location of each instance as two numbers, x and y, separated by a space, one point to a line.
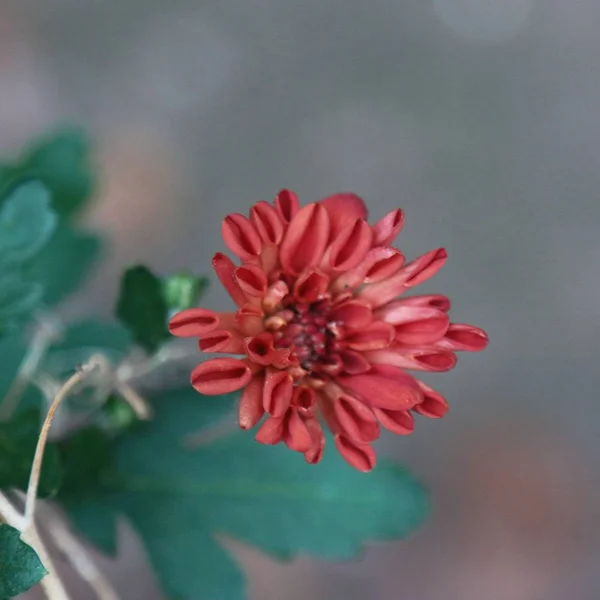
36 467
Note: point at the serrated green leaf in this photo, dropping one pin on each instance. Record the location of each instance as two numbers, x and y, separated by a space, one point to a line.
61 160
179 498
141 307
26 223
183 290
18 440
65 262
20 566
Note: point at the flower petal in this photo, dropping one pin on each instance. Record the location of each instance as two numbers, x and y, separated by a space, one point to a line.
286 205
386 229
434 405
305 240
427 300
380 389
260 348
343 209
350 246
252 280
251 409
400 422
225 270
418 359
315 453
356 420
415 325
193 322
461 336
240 236
249 319
378 264
267 223
310 286
352 314
376 335
277 392
220 376
354 363
360 456
271 431
415 272
221 340
297 436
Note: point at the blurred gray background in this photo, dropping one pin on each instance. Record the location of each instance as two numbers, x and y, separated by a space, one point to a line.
480 118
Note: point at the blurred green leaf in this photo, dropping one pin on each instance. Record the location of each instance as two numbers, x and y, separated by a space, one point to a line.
183 290
61 160
95 333
18 440
142 308
17 298
12 351
65 262
179 497
20 567
26 223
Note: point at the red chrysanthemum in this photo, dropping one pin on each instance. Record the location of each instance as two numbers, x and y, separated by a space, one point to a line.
321 329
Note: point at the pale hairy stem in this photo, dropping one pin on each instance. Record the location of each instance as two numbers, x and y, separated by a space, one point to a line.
38 457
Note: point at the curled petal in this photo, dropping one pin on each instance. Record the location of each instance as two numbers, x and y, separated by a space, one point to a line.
193 322
310 286
400 422
343 209
251 407
418 359
393 390
275 294
249 319
427 301
415 272
315 453
416 325
354 363
352 314
356 420
434 405
286 205
267 223
221 340
297 436
252 280
241 236
376 335
261 348
360 456
225 270
378 264
277 392
461 336
220 376
386 230
271 431
304 399
350 246
305 240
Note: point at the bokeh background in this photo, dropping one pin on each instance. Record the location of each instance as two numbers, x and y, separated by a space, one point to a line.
481 119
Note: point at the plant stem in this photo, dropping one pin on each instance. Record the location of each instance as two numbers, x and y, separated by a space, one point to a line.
36 467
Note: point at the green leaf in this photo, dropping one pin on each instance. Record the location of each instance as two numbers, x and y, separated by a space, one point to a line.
26 223
17 297
142 308
18 440
183 290
93 333
20 567
62 161
179 499
12 351
65 262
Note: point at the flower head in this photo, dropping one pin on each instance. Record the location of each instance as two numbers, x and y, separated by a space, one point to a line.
323 330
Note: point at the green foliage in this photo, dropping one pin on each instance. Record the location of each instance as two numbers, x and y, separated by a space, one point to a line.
142 307
26 225
179 498
20 567
18 439
61 160
183 290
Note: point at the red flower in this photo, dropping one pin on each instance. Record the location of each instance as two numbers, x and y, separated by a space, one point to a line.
321 330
